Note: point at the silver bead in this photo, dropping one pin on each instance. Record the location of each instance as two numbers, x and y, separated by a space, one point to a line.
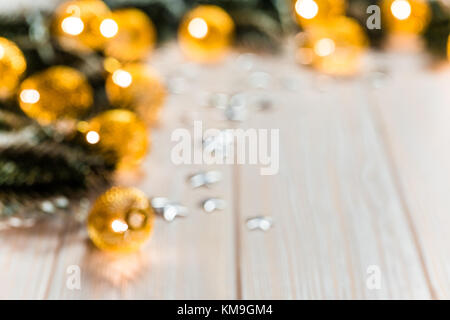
205 178
259 222
237 108
260 80
169 210
213 204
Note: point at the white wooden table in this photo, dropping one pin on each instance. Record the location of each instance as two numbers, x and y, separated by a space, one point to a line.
364 180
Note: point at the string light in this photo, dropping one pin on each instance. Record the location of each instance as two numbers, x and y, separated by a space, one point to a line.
308 9
401 9
122 78
72 25
198 28
92 137
109 28
30 96
324 47
119 226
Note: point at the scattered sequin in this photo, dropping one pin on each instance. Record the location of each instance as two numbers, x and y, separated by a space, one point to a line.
213 204
260 222
205 178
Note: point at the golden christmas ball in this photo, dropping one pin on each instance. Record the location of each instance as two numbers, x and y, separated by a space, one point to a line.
12 67
57 93
136 87
83 25
448 47
206 33
135 38
121 134
335 47
312 11
121 220
405 16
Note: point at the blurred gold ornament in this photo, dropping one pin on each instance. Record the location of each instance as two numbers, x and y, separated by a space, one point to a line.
83 25
12 66
405 16
121 134
205 33
59 92
313 11
448 47
135 37
136 87
334 47
121 220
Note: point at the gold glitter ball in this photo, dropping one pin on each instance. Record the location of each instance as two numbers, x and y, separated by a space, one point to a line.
136 87
405 16
119 133
334 47
312 11
83 25
206 33
135 38
12 66
57 93
121 220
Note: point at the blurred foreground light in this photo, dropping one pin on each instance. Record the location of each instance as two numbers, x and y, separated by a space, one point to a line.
30 96
2 51
92 137
109 28
401 9
122 78
72 25
119 226
198 28
324 47
307 9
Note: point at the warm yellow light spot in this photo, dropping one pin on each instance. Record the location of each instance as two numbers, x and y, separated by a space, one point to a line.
92 137
401 9
111 64
30 96
72 25
122 78
198 28
109 28
2 51
307 9
324 47
119 226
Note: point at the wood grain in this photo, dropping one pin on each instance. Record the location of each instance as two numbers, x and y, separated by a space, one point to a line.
413 111
363 181
335 205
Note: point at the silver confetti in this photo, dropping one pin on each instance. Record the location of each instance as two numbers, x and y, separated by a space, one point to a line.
47 207
245 61
260 80
213 204
220 144
205 178
169 210
61 202
219 100
260 222
177 85
237 108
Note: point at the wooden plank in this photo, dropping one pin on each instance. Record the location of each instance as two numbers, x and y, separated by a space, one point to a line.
335 205
26 259
190 258
413 112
